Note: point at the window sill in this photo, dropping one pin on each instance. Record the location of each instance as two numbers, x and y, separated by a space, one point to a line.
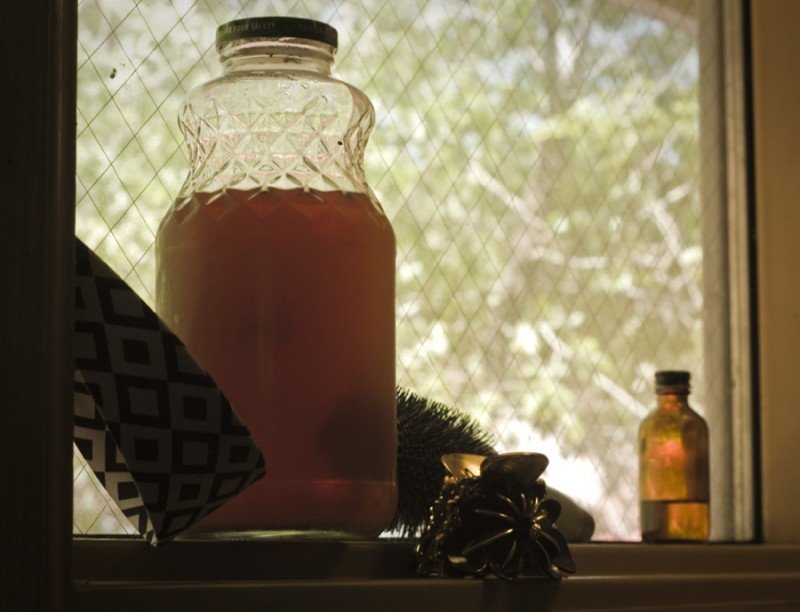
123 574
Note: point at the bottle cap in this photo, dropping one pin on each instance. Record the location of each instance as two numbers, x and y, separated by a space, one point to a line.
670 378
277 27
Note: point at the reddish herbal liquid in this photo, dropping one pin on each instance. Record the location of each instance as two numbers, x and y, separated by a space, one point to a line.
286 297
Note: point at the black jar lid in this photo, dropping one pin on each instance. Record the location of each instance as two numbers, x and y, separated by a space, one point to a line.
669 378
277 27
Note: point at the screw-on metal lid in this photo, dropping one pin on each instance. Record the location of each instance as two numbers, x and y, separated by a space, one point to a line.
669 378
277 27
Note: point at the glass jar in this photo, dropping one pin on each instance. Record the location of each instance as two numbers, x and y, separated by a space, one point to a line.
275 266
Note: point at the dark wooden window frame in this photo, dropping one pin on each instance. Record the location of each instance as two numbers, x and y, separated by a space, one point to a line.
44 569
37 119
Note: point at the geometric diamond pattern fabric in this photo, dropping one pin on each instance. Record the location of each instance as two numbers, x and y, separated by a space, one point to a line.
541 164
99 453
155 430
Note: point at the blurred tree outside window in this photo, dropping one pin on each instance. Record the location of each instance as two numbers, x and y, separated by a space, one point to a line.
541 162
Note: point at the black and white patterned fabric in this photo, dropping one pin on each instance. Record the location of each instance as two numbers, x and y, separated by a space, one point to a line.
150 422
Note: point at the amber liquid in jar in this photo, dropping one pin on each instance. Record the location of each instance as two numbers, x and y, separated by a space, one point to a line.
674 469
286 297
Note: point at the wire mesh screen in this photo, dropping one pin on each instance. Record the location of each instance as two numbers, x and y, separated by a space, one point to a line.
540 161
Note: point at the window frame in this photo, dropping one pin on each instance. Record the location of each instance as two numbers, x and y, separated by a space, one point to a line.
297 575
38 227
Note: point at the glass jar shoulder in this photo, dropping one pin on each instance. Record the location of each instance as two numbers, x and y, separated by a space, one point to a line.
282 90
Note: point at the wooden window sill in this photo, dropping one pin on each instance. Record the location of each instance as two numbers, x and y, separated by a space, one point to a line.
124 574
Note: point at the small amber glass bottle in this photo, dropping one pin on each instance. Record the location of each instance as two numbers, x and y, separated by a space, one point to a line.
673 466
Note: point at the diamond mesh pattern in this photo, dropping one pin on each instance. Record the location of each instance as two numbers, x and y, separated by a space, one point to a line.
540 161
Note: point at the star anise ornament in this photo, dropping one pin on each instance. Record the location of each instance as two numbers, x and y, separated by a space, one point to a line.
492 518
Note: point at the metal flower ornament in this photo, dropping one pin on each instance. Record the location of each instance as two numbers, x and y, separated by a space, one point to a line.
492 518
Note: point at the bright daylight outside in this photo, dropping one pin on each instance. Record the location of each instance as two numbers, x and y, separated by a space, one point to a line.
540 161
